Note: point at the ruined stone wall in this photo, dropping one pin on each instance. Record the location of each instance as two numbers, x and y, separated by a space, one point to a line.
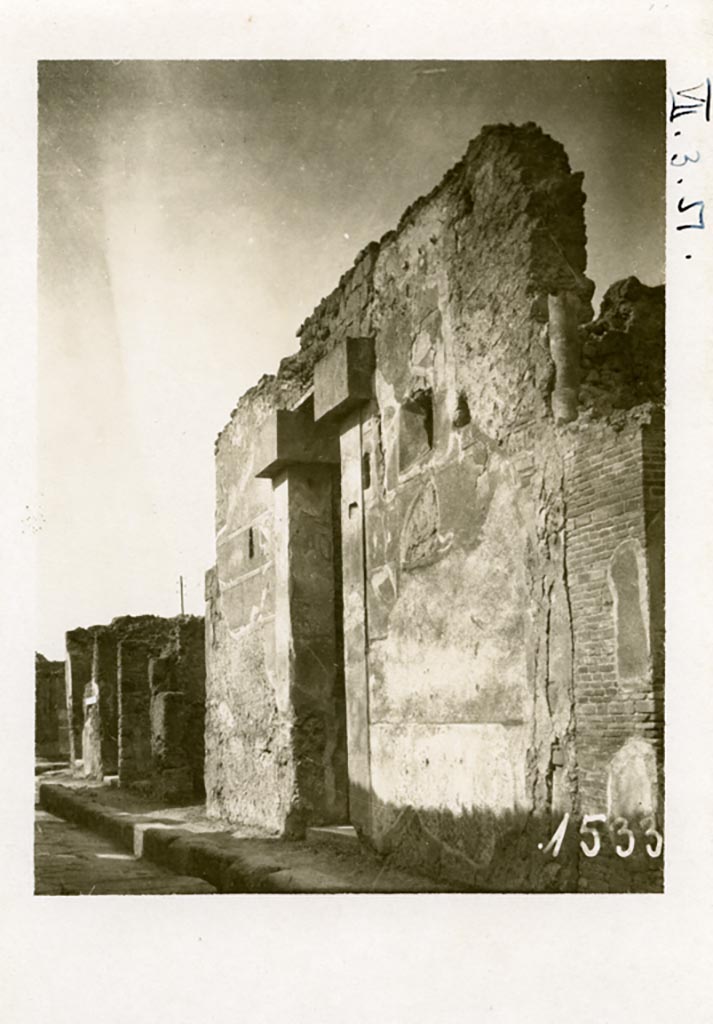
79 645
146 737
177 712
190 676
101 750
93 662
137 691
489 407
134 712
608 557
615 560
653 443
249 767
275 730
468 649
51 731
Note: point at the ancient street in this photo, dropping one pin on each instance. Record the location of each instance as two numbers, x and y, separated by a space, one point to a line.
71 861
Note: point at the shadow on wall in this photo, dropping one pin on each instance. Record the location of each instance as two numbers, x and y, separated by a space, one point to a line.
514 852
484 851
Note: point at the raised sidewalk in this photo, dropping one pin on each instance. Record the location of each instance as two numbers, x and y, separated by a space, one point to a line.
231 858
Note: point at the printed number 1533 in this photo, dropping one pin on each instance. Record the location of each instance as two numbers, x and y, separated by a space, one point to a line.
622 836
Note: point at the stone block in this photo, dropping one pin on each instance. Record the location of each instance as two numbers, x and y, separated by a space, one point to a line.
249 871
343 378
289 437
209 858
304 880
156 842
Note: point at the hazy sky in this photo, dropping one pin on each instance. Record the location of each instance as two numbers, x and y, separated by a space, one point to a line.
191 214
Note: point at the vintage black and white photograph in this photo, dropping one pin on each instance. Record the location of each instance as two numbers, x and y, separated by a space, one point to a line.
351 477
355 529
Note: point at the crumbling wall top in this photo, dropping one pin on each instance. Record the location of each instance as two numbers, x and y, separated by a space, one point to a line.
623 350
47 664
264 389
513 184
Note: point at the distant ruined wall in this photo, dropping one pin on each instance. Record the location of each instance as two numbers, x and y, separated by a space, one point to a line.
51 731
134 712
79 645
137 690
177 712
101 747
161 705
476 407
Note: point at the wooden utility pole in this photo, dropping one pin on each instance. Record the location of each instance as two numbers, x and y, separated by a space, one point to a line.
181 582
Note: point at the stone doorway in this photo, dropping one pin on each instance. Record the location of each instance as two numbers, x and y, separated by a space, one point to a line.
343 389
302 460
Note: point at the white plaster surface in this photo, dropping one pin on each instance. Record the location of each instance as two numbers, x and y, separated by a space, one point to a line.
449 767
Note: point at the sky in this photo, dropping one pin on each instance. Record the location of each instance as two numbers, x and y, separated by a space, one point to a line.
192 214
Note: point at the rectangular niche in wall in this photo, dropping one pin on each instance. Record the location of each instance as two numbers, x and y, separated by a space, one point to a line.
415 429
627 585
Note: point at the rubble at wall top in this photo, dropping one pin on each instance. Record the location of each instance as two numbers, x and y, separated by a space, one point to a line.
623 350
526 174
542 157
127 624
48 663
531 156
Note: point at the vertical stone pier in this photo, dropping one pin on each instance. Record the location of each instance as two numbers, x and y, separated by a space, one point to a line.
78 668
51 733
134 717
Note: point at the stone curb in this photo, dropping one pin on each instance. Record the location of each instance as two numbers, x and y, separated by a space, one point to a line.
50 766
64 802
218 861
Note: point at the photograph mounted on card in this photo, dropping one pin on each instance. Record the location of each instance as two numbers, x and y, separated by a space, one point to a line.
351 454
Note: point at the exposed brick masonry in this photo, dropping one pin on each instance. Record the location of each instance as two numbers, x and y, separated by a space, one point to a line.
501 534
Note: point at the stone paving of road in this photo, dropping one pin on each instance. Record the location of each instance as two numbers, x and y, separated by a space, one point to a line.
71 861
